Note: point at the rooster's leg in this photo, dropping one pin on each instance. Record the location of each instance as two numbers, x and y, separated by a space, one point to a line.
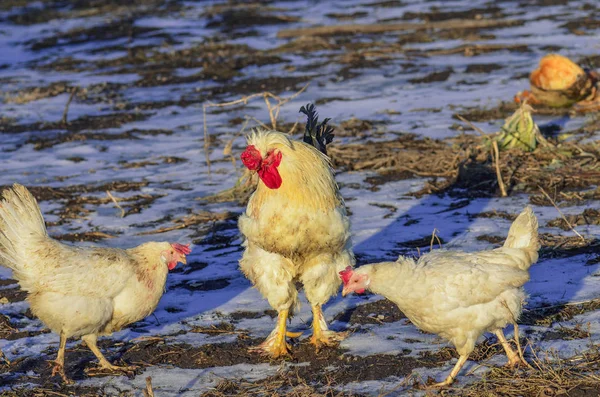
90 340
450 379
514 359
275 345
58 365
322 336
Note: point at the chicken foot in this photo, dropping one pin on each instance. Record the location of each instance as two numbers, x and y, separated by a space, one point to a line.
450 379
322 336
58 365
91 342
276 345
514 359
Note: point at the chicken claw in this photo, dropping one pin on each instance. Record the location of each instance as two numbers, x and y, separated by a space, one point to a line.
450 379
514 358
327 338
58 365
128 370
276 346
105 365
58 368
516 362
117 368
322 336
293 334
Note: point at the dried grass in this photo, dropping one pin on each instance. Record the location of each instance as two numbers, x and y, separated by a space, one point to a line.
273 109
192 219
467 160
378 28
5 327
282 384
33 94
548 315
555 246
222 328
550 376
407 153
239 193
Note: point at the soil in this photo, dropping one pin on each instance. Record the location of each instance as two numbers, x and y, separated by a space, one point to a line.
155 352
379 312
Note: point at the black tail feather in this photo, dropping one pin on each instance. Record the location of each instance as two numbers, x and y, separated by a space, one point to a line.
315 133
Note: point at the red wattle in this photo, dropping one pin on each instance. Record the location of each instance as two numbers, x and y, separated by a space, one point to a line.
268 172
171 265
270 177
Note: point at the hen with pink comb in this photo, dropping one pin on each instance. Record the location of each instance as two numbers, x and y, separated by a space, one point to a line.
81 291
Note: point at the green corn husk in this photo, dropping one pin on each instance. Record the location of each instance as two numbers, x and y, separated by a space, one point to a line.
519 131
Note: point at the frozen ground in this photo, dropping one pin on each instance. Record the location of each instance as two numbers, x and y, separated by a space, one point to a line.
135 127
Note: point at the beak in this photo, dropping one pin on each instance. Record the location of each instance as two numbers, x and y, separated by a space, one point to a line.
183 260
345 291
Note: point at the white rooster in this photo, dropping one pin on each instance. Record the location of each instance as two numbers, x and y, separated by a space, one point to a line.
458 295
80 292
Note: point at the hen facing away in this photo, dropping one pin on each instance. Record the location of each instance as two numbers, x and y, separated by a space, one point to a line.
296 230
80 292
459 295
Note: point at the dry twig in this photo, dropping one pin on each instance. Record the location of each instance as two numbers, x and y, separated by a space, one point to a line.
66 111
148 392
495 154
561 213
434 237
479 130
228 149
497 164
273 112
114 200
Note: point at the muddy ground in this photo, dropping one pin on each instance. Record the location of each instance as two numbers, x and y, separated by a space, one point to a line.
99 109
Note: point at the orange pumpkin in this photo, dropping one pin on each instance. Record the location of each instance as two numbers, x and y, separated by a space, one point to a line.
559 82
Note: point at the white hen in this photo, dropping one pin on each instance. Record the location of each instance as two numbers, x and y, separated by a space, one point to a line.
80 291
458 295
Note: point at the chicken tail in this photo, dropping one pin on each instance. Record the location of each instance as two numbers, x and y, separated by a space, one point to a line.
523 234
20 220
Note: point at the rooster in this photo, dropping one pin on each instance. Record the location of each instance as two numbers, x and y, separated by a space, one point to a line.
295 228
80 292
459 295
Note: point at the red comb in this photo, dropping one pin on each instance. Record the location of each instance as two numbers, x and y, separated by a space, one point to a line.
346 274
181 249
251 158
